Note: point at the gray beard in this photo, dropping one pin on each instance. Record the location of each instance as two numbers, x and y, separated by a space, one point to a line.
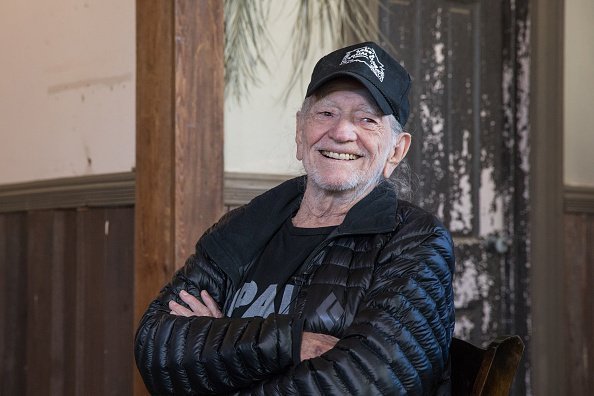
357 181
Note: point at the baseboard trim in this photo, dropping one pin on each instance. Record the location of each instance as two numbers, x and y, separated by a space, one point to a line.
579 199
240 188
118 189
114 189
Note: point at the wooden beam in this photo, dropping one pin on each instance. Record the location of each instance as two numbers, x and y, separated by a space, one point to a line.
199 114
548 299
179 137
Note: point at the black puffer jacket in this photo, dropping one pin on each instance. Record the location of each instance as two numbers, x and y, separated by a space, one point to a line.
381 283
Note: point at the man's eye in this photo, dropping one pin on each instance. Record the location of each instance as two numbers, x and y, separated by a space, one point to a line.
325 113
369 120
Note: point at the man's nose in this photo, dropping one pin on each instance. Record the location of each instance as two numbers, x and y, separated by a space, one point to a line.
344 130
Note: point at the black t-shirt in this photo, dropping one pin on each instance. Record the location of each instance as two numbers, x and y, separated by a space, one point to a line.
268 287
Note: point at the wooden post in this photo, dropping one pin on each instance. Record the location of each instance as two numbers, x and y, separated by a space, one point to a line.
179 137
549 305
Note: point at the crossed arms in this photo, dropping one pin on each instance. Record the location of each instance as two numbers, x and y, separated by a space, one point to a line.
397 343
312 344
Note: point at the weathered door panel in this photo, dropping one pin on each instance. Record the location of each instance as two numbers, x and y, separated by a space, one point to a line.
463 148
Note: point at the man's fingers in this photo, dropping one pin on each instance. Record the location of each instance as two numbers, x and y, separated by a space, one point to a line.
211 304
195 305
178 309
197 308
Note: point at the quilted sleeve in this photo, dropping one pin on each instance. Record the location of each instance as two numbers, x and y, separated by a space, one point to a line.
398 343
203 355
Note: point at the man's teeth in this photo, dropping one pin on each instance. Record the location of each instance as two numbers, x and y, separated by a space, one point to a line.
339 156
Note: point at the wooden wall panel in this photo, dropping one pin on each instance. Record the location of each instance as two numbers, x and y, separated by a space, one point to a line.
13 313
70 278
39 302
118 302
57 302
90 291
579 278
66 298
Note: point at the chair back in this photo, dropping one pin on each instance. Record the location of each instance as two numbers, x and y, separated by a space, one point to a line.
485 372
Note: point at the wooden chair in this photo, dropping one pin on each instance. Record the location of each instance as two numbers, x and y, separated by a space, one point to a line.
490 371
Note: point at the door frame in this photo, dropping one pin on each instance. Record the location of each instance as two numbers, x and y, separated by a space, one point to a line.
548 297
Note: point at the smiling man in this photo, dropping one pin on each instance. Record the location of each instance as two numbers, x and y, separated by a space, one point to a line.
327 284
345 142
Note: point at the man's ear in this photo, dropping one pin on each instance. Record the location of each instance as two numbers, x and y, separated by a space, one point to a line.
299 135
398 153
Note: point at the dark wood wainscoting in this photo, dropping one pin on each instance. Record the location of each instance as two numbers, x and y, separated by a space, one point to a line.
66 283
66 298
579 278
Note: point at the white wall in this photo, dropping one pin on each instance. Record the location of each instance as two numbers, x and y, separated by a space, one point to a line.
67 73
579 93
66 88
260 131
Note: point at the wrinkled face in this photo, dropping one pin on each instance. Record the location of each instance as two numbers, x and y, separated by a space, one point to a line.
344 141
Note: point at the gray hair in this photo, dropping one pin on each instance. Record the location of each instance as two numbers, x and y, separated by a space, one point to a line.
401 180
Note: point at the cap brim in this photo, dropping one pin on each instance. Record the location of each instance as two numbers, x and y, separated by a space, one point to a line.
380 99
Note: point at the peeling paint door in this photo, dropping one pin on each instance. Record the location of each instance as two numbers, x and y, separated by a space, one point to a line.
465 145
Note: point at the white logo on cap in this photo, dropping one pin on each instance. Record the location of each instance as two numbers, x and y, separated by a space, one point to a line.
365 55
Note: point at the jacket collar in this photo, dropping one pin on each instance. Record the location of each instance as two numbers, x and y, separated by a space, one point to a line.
240 236
375 213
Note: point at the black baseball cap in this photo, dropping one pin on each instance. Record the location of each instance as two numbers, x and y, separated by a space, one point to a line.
384 77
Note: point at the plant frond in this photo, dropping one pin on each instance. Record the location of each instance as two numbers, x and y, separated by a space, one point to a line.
245 37
343 21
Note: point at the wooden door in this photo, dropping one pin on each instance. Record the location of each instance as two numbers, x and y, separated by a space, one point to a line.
469 151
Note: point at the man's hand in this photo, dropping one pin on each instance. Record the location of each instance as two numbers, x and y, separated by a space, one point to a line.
209 308
312 344
315 344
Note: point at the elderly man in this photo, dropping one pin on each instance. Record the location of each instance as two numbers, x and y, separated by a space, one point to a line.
327 284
